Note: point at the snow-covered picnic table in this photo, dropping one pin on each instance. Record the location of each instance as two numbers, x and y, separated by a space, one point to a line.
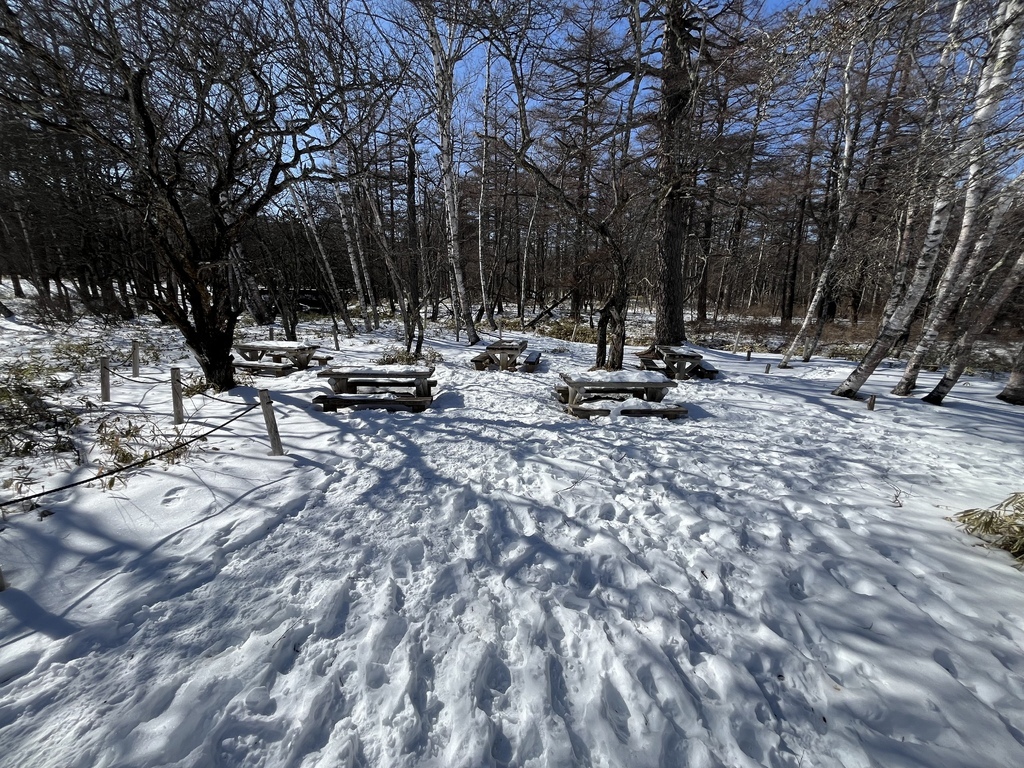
255 355
644 389
680 363
390 385
502 353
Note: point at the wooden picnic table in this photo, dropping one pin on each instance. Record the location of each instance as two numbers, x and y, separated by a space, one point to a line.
299 354
646 385
680 362
346 380
644 389
504 354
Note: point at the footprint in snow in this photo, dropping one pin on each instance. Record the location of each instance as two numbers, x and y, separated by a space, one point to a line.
615 710
173 496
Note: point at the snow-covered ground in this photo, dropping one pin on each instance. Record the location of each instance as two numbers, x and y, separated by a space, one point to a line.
770 582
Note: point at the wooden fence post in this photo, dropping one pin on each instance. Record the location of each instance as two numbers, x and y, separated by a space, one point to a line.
105 379
748 355
871 403
276 449
3 584
179 409
135 358
768 368
271 333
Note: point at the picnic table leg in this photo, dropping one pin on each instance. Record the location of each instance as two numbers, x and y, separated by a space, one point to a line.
656 394
576 395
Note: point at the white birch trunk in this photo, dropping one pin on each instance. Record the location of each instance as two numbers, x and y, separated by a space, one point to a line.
480 233
1013 392
989 94
929 125
897 324
964 344
953 284
353 256
967 255
844 213
444 61
325 264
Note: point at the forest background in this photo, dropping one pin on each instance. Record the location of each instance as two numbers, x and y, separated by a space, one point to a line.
849 164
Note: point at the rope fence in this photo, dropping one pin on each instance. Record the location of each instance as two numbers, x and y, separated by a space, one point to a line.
126 467
106 369
176 394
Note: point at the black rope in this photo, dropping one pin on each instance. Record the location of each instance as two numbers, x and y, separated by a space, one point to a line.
134 464
141 378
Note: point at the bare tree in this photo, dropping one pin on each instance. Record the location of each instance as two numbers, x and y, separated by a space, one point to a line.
979 320
446 26
198 115
970 154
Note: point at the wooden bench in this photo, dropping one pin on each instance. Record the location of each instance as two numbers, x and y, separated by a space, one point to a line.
662 410
388 402
264 367
704 371
562 393
531 361
650 364
482 361
351 386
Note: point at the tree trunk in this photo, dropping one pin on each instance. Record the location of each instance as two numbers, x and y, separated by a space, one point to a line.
1013 392
899 322
353 256
964 344
991 88
844 212
674 120
325 264
960 269
485 304
444 60
955 281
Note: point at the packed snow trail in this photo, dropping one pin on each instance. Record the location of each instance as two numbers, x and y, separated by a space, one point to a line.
770 583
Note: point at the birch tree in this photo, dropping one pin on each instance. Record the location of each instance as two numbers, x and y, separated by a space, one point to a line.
991 89
868 25
968 254
446 26
1013 392
979 322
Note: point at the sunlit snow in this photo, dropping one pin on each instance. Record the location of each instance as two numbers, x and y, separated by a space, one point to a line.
769 582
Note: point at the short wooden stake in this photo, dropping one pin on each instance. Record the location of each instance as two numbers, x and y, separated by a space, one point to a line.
276 449
135 358
768 368
3 584
871 403
748 355
105 379
179 408
271 333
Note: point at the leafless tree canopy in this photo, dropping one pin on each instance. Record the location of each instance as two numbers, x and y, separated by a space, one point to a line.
839 162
